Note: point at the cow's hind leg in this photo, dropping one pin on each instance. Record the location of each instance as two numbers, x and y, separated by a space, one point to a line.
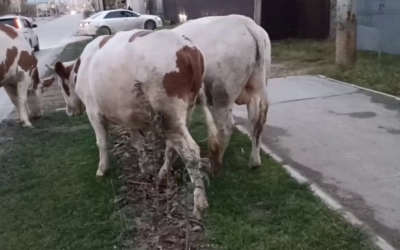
19 97
99 125
169 158
257 109
12 93
189 151
224 122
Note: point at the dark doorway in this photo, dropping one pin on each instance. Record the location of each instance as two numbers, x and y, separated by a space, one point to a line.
280 18
314 21
284 19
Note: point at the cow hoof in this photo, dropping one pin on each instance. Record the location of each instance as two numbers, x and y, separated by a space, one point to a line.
100 173
254 164
27 125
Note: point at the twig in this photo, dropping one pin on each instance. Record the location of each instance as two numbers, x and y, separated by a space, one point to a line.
138 182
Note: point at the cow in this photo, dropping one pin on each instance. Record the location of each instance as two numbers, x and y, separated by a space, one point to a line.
238 55
19 75
127 78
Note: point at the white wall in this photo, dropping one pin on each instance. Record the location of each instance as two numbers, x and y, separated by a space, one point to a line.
137 5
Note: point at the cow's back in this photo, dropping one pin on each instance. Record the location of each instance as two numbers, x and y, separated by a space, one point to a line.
228 46
127 74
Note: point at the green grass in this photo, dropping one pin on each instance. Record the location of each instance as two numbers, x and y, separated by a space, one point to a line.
49 195
267 209
318 57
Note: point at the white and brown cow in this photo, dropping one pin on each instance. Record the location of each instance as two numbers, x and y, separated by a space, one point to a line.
19 74
128 77
238 55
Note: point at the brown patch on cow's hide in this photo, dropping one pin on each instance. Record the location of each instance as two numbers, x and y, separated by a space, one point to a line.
5 66
105 40
11 54
186 83
48 82
2 72
35 77
139 34
27 61
77 64
64 73
10 31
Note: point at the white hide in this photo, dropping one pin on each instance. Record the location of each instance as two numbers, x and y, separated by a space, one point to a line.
238 54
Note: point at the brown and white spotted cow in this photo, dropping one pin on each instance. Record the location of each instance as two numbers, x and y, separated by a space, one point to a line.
238 55
19 74
128 77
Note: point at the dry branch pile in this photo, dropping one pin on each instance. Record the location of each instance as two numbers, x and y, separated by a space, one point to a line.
157 217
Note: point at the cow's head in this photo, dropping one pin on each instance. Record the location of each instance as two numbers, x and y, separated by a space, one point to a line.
35 93
66 74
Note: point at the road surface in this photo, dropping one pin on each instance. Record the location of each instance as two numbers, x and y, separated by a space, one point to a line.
342 138
53 36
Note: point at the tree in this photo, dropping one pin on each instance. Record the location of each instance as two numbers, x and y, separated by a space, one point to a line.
346 33
4 6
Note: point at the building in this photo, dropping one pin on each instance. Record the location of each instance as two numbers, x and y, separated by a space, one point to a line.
154 7
280 18
378 26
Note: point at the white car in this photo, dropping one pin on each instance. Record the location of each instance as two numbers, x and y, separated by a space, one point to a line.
112 21
25 26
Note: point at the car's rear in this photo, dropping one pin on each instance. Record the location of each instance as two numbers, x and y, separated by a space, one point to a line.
12 21
88 27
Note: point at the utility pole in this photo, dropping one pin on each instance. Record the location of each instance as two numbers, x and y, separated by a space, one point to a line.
37 11
346 33
19 6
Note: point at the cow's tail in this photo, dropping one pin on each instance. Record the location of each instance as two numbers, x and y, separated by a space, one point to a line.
263 53
213 135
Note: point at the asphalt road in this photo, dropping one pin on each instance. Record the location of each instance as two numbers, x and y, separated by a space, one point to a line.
53 34
344 139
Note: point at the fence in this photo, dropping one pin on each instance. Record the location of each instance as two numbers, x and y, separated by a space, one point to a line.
379 26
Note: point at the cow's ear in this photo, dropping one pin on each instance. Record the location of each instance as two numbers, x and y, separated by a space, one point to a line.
47 82
61 70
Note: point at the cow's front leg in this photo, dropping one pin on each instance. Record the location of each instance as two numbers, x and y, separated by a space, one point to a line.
22 95
99 125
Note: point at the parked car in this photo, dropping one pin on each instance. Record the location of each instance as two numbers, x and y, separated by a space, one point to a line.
111 21
25 26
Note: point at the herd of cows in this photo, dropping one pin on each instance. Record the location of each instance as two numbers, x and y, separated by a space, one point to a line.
127 77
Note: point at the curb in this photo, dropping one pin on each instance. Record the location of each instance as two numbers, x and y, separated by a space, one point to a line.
317 191
359 87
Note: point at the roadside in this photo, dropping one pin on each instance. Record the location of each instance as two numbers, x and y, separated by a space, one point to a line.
42 20
308 57
341 138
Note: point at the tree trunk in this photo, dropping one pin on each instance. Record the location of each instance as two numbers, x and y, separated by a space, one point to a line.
346 34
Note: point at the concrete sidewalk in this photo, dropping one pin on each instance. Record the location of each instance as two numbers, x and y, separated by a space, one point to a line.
344 139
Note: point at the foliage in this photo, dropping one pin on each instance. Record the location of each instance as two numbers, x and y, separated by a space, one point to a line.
318 57
49 195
